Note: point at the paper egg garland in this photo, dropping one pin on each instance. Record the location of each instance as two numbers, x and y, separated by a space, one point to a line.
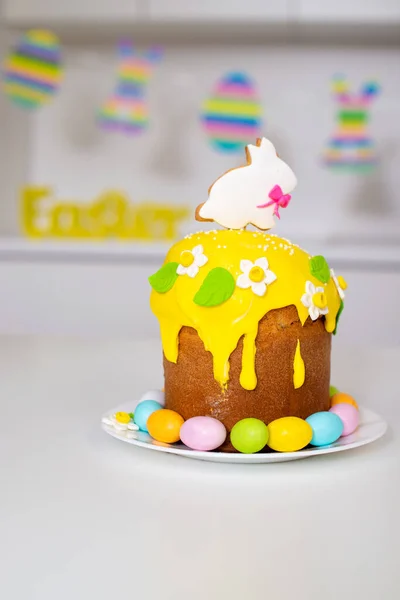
126 109
232 115
33 70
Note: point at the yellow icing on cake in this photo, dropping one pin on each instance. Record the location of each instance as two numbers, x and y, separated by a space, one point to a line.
221 327
299 371
248 379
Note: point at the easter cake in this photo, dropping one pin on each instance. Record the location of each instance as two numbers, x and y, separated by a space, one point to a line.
246 317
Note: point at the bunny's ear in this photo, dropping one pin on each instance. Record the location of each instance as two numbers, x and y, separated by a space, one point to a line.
153 54
341 88
263 152
369 90
125 48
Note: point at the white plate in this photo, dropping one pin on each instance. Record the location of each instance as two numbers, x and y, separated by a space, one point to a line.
371 428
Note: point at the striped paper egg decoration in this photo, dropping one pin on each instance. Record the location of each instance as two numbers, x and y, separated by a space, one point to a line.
231 117
33 70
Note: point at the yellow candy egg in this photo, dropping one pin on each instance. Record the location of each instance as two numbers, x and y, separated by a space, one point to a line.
164 425
289 434
341 398
122 417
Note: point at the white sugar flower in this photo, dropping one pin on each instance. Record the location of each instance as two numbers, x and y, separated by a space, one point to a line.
315 300
122 423
340 283
191 261
255 275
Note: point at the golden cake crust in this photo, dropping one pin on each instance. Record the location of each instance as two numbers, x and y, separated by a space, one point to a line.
191 389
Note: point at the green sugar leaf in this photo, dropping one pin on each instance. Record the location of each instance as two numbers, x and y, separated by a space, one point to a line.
163 280
319 269
217 288
341 307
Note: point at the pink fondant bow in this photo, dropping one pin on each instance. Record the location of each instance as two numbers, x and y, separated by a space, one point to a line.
278 198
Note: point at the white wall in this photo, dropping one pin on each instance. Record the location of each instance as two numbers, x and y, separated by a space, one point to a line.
61 146
172 162
15 135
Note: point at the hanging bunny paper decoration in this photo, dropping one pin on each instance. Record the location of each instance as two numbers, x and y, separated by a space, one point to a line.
126 110
351 146
252 194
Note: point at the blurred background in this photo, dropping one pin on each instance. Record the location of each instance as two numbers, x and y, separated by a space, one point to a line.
324 82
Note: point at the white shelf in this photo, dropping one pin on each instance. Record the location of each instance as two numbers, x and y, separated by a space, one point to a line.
361 255
210 10
202 11
88 10
31 250
355 11
249 30
96 30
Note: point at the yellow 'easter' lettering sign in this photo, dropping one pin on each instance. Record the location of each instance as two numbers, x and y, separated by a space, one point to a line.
111 215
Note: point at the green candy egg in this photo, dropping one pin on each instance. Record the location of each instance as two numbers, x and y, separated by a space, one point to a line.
249 436
332 391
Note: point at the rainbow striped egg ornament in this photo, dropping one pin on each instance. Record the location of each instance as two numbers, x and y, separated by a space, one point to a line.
33 70
231 117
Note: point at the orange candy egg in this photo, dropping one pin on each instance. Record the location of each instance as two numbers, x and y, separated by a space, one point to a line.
164 425
341 398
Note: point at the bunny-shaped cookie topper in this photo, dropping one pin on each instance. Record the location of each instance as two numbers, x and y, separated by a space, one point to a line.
350 145
252 194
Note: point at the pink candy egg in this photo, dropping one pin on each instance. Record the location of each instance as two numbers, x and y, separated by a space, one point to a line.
349 415
203 433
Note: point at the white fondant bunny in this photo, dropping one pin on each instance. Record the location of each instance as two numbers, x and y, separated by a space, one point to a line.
251 194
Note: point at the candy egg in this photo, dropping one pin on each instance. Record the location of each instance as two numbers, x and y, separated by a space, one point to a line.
249 436
143 412
349 415
326 427
203 433
341 398
157 395
332 391
289 434
164 425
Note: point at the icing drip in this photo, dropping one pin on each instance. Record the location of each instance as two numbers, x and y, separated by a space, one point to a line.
221 326
248 378
299 372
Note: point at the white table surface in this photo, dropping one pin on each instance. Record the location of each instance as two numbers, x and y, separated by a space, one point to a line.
86 517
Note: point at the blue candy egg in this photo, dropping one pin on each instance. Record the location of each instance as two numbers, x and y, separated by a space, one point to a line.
143 411
325 429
